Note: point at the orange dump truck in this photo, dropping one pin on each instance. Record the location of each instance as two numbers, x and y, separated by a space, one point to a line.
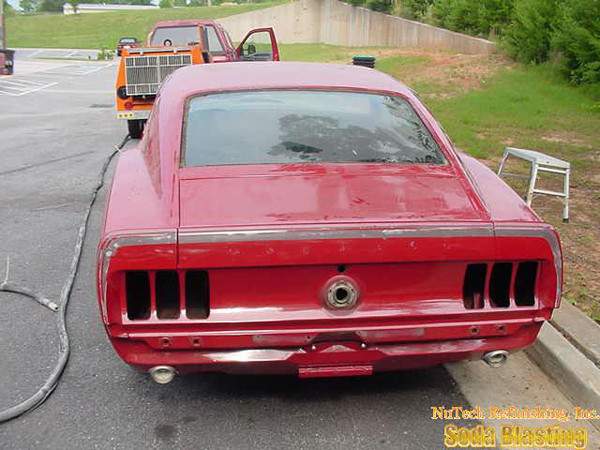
174 44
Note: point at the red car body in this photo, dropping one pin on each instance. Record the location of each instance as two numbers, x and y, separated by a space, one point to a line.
127 43
448 262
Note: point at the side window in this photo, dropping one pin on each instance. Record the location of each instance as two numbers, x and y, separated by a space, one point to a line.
214 43
258 47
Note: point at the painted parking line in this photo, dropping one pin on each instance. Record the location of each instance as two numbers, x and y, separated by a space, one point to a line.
78 69
45 76
20 82
17 88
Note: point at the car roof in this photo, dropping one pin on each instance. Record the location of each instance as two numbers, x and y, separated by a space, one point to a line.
239 76
183 23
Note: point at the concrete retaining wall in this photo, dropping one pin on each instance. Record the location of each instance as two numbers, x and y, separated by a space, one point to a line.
337 23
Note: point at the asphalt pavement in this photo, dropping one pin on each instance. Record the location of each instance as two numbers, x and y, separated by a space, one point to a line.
56 53
53 142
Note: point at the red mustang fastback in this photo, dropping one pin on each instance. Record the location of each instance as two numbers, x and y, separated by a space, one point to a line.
313 219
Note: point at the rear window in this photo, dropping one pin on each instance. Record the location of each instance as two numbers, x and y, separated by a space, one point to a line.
175 36
262 127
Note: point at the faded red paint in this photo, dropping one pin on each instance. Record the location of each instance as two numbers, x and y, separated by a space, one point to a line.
267 312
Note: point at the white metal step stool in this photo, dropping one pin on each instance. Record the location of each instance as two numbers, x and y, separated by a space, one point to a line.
541 163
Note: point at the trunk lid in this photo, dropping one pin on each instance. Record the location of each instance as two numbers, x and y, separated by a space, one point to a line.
319 194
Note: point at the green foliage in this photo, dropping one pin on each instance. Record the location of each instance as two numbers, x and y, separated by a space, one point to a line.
533 30
29 6
9 11
416 9
384 6
105 55
495 15
577 38
529 36
457 15
478 17
51 5
166 3
567 28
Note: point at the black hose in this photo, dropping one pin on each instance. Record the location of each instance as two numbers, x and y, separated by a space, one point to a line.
64 347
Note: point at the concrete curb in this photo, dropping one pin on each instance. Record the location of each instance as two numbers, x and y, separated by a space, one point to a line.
575 375
579 329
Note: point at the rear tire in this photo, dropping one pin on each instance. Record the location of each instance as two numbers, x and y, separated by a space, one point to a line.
135 128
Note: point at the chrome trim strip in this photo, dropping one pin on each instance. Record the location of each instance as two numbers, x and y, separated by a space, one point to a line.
550 237
113 243
377 232
246 235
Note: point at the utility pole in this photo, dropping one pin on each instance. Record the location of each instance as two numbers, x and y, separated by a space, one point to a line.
2 32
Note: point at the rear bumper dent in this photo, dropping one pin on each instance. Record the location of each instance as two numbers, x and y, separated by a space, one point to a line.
326 355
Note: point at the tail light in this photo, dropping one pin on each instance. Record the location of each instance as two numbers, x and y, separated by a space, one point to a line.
474 286
137 291
500 284
197 294
167 294
525 283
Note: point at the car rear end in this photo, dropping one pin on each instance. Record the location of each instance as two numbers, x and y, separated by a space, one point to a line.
329 301
323 233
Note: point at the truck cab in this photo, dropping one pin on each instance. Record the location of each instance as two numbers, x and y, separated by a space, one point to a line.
174 44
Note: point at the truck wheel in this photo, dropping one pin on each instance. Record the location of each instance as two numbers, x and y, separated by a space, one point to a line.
135 128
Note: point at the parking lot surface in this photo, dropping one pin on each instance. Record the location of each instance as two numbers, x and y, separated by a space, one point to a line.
57 126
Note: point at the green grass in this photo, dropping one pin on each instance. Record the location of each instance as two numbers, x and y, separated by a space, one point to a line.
322 52
396 64
103 30
526 105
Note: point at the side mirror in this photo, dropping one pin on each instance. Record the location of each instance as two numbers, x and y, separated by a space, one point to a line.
251 49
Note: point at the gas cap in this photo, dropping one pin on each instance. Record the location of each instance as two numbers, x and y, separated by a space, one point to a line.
341 292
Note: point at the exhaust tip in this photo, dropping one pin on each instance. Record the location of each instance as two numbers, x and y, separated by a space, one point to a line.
496 358
162 374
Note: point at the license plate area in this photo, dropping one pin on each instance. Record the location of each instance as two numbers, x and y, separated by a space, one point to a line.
335 371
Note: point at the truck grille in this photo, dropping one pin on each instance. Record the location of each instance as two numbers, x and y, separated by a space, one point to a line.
143 74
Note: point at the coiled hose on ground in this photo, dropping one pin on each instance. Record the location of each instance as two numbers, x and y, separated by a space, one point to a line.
60 307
